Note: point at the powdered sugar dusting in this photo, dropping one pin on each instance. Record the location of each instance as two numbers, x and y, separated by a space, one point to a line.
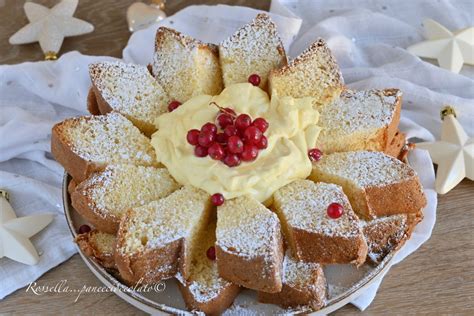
364 168
358 111
304 205
107 138
120 187
246 228
129 89
184 66
166 220
302 275
255 48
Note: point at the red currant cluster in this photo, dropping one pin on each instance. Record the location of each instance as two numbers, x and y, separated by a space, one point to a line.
233 139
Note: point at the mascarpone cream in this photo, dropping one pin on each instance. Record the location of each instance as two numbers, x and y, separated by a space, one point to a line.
292 131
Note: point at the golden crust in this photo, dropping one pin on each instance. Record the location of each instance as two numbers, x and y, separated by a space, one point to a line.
396 146
92 105
385 200
248 272
323 249
78 168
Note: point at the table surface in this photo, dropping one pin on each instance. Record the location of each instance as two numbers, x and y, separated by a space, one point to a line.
438 278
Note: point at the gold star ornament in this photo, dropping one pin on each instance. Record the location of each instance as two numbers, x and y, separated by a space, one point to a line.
454 153
451 49
49 27
15 232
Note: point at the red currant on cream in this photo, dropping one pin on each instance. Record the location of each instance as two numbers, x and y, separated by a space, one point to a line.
261 124
250 153
243 121
173 105
252 135
192 137
254 79
262 143
217 199
235 145
216 151
230 130
221 138
335 210
209 128
206 139
315 154
211 253
200 151
224 120
232 160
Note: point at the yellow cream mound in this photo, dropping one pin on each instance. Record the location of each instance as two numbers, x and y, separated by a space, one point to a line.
291 133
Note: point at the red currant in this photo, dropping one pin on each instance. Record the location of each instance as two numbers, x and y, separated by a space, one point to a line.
84 229
211 253
254 79
315 154
235 145
224 120
250 153
206 139
173 105
193 136
216 151
209 128
261 124
335 210
232 160
217 199
243 121
200 151
229 111
230 130
262 143
252 135
221 138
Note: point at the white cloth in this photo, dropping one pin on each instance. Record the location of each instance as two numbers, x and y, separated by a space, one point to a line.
33 96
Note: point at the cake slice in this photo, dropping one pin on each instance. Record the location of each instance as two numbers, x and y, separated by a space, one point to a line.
304 284
314 73
151 237
388 233
249 245
256 48
205 290
184 66
86 144
130 90
105 196
312 235
99 246
376 184
360 120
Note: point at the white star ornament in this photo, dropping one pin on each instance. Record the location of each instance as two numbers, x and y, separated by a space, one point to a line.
454 155
49 27
15 233
451 49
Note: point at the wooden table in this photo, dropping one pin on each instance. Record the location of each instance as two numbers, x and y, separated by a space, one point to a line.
436 279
